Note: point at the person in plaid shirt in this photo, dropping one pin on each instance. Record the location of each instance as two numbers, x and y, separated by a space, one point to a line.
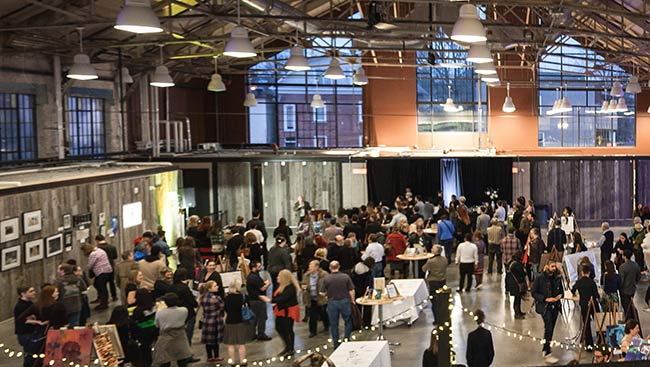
98 267
509 245
212 329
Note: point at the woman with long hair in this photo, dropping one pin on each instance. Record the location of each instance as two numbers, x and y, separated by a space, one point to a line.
237 332
217 239
144 317
284 230
203 241
477 238
516 282
120 318
209 273
578 243
430 356
252 249
286 310
212 331
134 282
622 244
321 256
611 286
306 226
188 256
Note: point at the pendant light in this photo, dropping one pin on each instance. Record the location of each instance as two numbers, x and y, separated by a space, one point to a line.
216 83
490 79
250 100
317 101
633 86
239 45
556 103
485 68
479 53
297 61
612 106
161 77
617 90
604 107
126 77
81 68
508 104
449 105
621 106
360 77
468 27
334 71
138 17
648 109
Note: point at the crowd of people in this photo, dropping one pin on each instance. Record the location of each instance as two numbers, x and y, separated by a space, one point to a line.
335 258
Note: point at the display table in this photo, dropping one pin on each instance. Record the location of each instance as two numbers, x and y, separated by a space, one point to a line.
413 262
379 307
362 354
414 292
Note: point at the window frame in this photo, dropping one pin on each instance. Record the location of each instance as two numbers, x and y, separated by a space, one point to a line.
285 115
17 126
319 115
85 127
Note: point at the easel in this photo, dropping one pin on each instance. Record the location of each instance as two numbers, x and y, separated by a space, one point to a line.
586 324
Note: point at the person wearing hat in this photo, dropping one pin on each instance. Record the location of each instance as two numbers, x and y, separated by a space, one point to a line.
279 259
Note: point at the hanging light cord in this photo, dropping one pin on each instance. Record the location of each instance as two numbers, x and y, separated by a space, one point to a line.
161 53
215 65
508 88
81 43
238 14
449 91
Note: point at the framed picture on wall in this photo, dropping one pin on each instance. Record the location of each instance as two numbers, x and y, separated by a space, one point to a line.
34 251
67 221
10 258
54 245
32 221
67 240
9 229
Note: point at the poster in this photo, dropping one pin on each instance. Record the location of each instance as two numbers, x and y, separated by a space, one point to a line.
571 264
73 345
131 214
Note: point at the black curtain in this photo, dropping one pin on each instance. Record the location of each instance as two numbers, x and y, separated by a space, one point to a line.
477 174
643 181
388 178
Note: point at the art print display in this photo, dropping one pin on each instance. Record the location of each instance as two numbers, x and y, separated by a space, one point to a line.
132 214
65 346
54 245
9 229
67 221
32 221
10 258
67 240
34 250
107 343
82 235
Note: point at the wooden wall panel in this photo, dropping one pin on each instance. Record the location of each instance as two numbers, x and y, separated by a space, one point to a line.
355 185
643 181
597 190
107 197
234 189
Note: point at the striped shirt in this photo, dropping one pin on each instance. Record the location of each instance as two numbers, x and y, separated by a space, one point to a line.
509 245
98 262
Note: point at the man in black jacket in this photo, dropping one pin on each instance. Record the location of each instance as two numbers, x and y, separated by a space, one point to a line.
547 291
257 223
480 349
606 244
187 299
556 238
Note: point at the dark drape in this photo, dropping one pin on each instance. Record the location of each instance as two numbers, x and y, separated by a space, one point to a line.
477 174
388 178
643 181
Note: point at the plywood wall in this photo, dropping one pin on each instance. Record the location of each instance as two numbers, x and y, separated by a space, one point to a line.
234 189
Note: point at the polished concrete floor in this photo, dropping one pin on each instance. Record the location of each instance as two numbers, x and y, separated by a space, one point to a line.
510 351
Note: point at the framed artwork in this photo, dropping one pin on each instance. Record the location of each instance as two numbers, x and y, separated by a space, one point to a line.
32 221
131 214
54 245
391 290
82 235
67 240
9 229
34 250
64 346
81 219
10 257
67 221
106 341
102 219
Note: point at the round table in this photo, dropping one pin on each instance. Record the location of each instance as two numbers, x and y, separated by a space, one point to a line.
414 273
363 301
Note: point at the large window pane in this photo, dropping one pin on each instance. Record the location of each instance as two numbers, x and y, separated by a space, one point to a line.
17 140
86 125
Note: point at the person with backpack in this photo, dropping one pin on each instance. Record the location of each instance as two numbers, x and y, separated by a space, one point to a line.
70 289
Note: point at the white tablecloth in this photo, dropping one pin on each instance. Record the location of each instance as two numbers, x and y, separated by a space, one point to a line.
415 293
362 354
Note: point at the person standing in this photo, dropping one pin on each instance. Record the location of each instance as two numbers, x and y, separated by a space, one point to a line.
446 235
363 280
257 223
257 299
210 273
436 275
477 239
315 302
376 251
182 290
500 213
339 289
515 277
630 276
556 238
99 266
111 251
466 258
606 244
510 245
172 344
122 271
547 292
212 331
480 348
394 245
534 250
71 288
430 355
144 317
283 230
588 291
22 329
301 208
152 268
483 222
495 235
279 259
286 310
236 332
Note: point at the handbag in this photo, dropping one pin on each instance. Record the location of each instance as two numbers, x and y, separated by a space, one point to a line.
246 313
357 322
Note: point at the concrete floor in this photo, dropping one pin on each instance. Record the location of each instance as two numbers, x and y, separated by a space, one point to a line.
414 339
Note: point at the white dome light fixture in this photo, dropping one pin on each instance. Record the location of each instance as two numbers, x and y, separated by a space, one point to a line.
334 71
161 77
239 45
82 69
468 27
297 61
612 106
449 105
250 100
360 77
633 86
508 104
604 108
138 17
485 68
479 53
216 83
621 106
489 79
617 90
317 101
126 76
